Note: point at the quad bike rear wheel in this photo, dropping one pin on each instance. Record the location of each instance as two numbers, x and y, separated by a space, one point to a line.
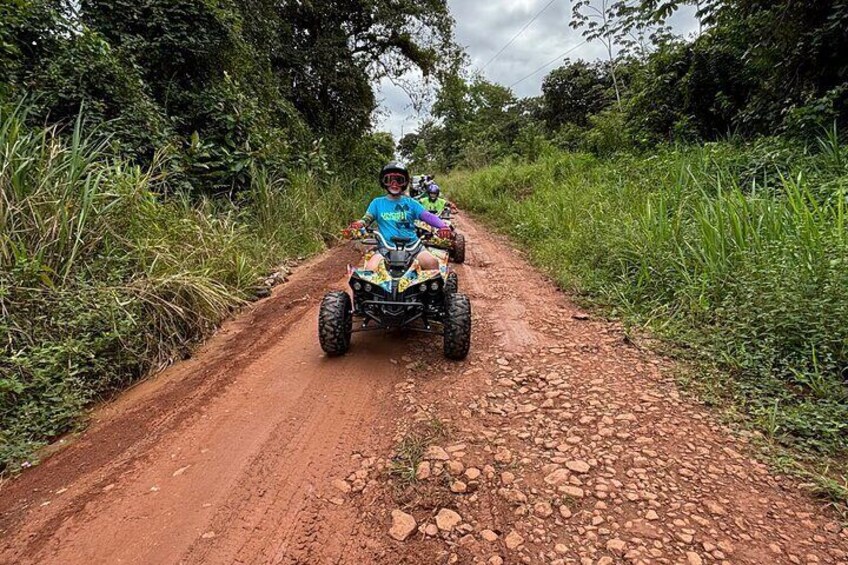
335 323
458 251
452 283
457 325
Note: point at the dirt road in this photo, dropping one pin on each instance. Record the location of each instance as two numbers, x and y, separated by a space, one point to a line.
558 442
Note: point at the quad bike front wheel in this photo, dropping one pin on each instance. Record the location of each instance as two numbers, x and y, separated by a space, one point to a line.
452 283
458 251
457 325
335 323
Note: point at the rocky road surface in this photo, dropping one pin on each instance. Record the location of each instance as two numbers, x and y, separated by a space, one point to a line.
557 441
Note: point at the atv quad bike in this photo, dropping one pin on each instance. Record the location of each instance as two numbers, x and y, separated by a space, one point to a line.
455 246
398 295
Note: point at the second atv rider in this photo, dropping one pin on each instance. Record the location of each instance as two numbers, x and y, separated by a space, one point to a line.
395 215
432 200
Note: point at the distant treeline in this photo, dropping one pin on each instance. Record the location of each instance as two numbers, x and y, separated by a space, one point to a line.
755 68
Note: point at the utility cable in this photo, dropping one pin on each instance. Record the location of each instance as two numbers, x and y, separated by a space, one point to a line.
549 63
517 35
559 57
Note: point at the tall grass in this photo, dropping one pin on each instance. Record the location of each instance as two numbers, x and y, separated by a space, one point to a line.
103 279
740 252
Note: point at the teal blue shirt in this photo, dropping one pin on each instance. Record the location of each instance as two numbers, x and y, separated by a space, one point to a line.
395 218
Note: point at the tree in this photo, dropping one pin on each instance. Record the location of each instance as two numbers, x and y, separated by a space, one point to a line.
624 29
573 92
407 145
475 112
602 22
223 83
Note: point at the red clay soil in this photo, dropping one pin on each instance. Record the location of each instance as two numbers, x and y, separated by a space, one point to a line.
564 444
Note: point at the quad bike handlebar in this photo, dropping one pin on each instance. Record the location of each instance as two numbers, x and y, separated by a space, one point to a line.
369 236
363 235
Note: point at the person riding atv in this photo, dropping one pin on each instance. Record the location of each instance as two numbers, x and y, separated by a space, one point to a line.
395 215
403 284
418 185
433 201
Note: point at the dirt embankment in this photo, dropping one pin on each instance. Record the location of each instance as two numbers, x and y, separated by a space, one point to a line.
560 443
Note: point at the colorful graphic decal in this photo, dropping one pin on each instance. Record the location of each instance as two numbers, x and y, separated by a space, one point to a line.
415 275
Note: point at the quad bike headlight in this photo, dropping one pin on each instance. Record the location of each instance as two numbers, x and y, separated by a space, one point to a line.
423 287
357 286
434 286
368 287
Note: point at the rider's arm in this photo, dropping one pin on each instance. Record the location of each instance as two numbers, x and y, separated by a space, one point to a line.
431 219
428 218
370 214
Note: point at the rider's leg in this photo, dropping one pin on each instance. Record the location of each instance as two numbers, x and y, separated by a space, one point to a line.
427 261
374 262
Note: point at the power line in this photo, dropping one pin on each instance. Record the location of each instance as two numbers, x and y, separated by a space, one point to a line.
498 54
559 57
551 62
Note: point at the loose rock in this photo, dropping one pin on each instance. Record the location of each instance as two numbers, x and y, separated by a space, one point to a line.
458 487
341 486
489 535
513 540
423 471
578 466
447 519
693 558
616 546
403 525
437 453
543 509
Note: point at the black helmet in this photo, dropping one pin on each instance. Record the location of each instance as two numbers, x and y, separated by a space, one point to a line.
394 174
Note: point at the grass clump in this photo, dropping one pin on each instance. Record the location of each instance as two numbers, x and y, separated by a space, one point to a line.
737 252
103 278
412 448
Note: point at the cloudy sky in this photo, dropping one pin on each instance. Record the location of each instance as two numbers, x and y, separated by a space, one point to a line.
484 27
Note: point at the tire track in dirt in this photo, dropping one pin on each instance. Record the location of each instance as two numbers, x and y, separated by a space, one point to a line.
224 469
261 450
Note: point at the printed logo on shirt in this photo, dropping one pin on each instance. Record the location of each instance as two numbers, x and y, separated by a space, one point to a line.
398 216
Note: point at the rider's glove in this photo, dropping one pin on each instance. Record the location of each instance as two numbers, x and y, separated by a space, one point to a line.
445 233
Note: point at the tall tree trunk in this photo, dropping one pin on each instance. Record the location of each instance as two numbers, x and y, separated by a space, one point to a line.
613 73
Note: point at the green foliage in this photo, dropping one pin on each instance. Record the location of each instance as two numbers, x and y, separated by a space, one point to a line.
480 122
755 69
757 64
738 252
608 133
222 86
89 72
103 279
574 92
